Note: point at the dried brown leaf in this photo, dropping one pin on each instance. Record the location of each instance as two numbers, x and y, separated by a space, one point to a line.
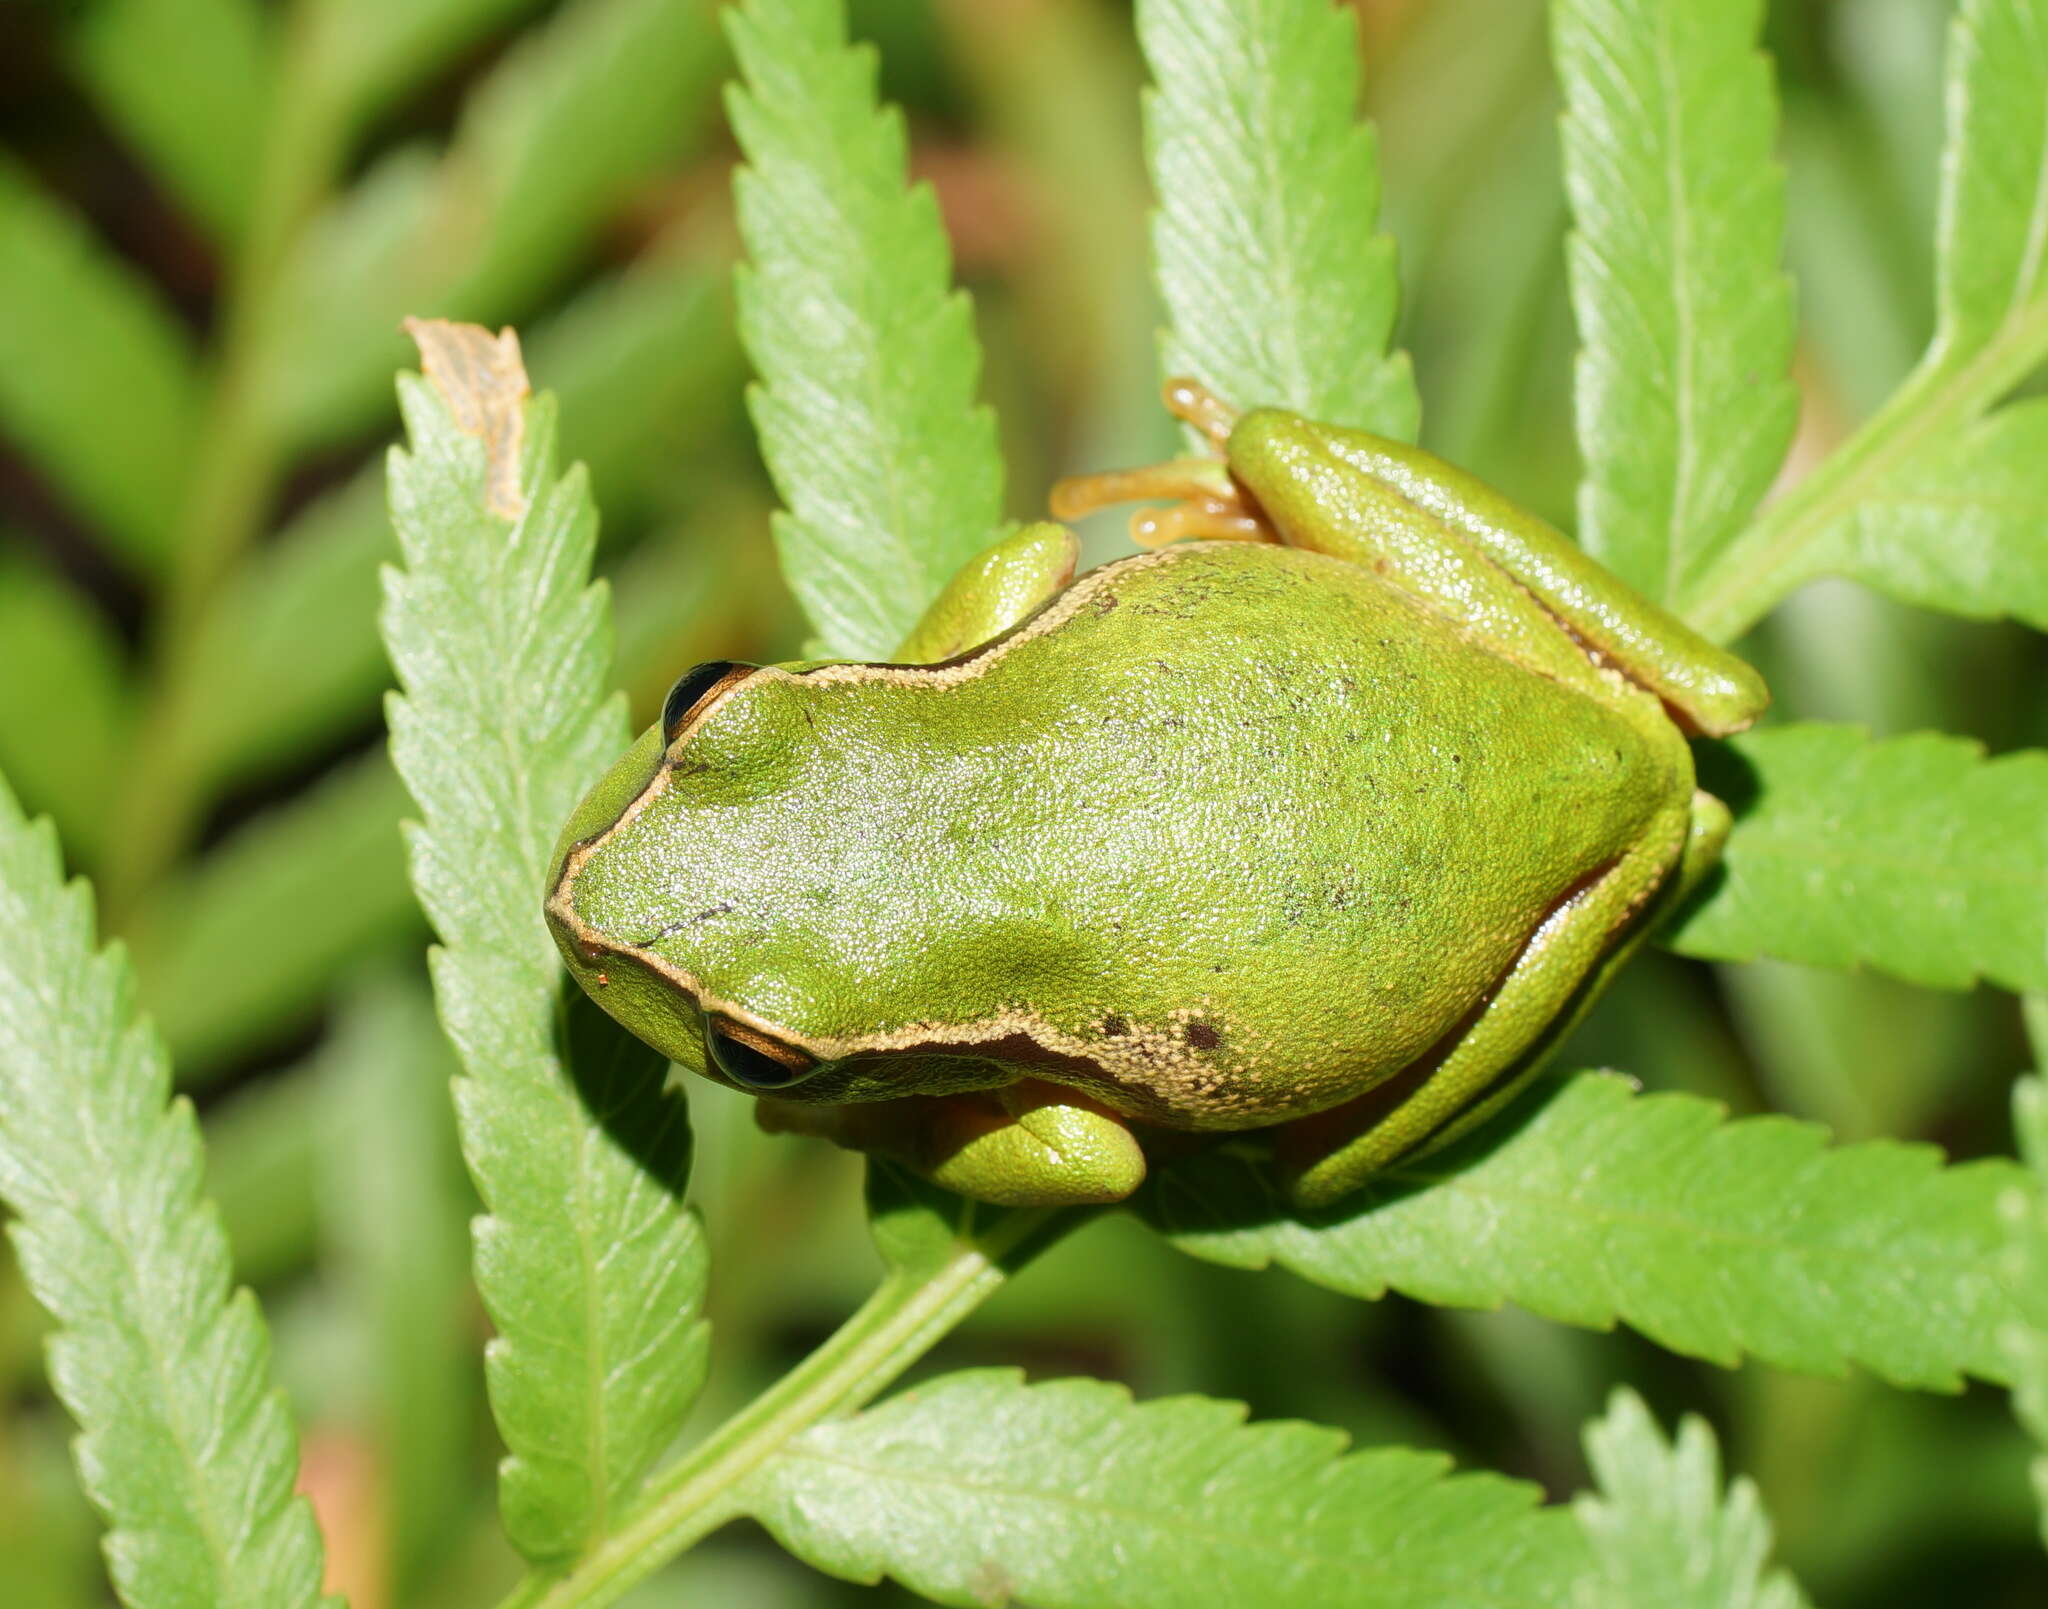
484 382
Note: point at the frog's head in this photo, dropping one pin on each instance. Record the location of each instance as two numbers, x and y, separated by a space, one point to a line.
750 889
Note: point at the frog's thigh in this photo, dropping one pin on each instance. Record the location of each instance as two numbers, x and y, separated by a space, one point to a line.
1706 832
1447 536
1042 1149
1570 946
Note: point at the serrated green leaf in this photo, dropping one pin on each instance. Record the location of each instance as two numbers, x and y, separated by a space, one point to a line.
1956 527
64 703
289 657
1660 1529
184 1444
188 82
576 115
569 123
976 1489
1950 517
648 369
247 943
1276 288
262 1149
1587 1204
1863 266
915 1224
1685 401
360 265
366 53
867 357
395 1216
97 381
1915 855
1992 334
1992 241
591 1266
2026 1339
674 591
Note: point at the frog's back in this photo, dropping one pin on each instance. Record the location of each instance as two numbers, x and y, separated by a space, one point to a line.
1248 798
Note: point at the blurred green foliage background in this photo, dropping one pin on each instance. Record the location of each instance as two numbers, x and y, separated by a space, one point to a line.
213 214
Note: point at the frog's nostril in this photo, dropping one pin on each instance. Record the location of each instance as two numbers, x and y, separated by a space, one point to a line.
752 1059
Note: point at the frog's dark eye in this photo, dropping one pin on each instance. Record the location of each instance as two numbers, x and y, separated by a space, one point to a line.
692 688
753 1059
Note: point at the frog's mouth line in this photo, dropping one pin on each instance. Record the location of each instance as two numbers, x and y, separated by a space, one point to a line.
1013 1038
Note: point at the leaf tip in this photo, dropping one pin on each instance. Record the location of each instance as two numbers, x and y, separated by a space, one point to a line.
482 379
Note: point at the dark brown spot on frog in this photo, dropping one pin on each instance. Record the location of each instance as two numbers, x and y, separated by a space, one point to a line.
1114 1026
1202 1036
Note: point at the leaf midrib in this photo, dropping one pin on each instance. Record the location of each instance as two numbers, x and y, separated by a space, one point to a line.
141 1313
1666 1221
1685 423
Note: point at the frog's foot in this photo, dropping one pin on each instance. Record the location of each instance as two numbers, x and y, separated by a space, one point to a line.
1206 502
1484 1061
1193 403
1029 1144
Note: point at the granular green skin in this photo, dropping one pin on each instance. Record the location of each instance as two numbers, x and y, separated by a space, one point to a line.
1227 834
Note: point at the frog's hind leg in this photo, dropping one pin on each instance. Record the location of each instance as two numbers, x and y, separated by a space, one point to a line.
1437 531
1205 503
1706 832
1561 971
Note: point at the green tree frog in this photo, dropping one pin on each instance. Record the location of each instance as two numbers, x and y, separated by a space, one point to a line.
1324 817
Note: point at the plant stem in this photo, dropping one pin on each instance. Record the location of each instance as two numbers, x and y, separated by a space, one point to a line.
235 473
906 1316
1777 552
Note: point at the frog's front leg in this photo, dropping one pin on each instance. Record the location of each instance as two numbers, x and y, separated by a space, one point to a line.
996 589
1028 1144
1483 1063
